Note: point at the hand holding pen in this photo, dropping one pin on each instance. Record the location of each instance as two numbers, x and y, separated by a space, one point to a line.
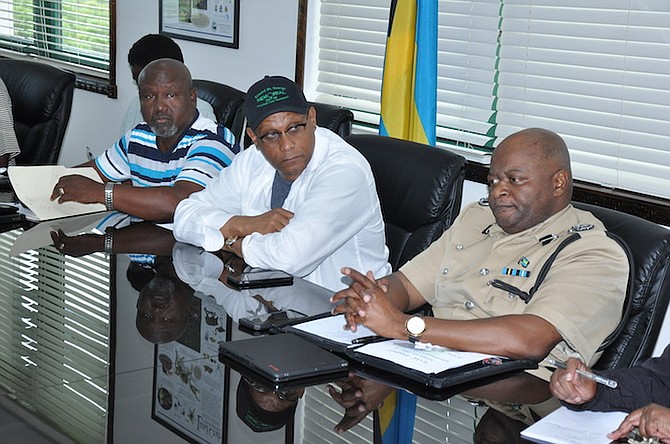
567 386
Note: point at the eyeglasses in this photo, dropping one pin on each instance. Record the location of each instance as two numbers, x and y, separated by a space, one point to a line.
295 131
284 395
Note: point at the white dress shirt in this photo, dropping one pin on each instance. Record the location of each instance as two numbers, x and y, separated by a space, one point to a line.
337 217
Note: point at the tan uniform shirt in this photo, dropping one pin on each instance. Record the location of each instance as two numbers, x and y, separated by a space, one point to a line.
582 295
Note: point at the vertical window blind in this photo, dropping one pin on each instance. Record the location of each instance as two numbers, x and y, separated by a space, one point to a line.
595 73
74 34
54 346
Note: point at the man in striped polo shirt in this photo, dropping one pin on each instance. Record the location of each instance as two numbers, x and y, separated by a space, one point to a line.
174 153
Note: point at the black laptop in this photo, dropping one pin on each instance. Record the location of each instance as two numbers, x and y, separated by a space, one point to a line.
283 358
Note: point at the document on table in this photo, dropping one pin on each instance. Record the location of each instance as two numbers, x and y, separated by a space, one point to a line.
332 328
565 426
426 358
33 186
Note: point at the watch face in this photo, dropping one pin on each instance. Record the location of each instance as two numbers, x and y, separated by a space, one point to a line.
416 325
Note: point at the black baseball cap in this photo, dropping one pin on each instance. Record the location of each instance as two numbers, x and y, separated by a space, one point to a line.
270 95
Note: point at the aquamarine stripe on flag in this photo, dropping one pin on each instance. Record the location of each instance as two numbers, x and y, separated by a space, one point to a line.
425 76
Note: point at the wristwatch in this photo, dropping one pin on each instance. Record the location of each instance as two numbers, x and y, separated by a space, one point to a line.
415 326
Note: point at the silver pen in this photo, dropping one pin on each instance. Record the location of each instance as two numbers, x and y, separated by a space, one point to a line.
592 376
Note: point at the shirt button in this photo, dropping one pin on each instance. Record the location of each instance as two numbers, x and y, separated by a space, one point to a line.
484 271
445 271
459 247
469 305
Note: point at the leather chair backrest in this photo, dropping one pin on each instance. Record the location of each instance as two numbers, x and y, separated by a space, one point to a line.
339 120
41 103
648 245
420 189
226 101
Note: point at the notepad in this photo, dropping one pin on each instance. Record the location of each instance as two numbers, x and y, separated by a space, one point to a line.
565 426
329 332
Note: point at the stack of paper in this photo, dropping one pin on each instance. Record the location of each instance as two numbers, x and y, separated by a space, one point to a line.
566 426
33 186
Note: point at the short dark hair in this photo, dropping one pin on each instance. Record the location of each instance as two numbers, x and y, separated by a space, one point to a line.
153 47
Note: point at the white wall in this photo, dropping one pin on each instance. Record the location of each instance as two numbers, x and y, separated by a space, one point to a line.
266 46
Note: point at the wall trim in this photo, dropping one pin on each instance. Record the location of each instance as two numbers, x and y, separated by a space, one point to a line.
651 208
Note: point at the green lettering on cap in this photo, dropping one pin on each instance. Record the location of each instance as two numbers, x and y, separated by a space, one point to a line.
270 95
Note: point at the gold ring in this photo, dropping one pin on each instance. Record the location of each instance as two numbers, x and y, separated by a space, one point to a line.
61 191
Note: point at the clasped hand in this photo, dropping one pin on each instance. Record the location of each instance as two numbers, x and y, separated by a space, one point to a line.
359 397
365 303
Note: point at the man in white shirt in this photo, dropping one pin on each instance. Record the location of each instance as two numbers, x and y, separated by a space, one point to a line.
300 199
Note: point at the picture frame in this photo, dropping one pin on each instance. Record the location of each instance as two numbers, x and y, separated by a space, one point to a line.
214 22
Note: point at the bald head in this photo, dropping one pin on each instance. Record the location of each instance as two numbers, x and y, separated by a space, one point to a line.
163 69
167 99
530 179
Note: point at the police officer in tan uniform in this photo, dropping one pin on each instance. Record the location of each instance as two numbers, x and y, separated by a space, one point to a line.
479 276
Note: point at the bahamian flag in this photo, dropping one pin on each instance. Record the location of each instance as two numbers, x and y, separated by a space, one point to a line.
408 111
409 85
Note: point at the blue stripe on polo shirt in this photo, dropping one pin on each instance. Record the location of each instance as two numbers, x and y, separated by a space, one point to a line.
150 174
207 160
209 152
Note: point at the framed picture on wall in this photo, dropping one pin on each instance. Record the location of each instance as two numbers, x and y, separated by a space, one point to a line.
208 21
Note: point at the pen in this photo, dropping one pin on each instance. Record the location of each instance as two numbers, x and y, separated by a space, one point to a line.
597 378
368 339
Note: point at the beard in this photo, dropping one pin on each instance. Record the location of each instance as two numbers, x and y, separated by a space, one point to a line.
166 128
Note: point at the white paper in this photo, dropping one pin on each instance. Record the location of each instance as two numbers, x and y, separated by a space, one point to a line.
33 186
429 360
565 426
332 327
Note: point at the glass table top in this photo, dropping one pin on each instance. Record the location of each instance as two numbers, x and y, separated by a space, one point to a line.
123 347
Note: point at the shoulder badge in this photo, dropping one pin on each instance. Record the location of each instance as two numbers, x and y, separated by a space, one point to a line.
580 227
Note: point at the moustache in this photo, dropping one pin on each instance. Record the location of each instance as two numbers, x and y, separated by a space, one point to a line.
157 117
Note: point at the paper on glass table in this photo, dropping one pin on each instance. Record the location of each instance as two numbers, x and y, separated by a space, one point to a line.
332 327
33 186
565 426
426 358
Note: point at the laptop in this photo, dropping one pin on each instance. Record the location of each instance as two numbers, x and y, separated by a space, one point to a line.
283 358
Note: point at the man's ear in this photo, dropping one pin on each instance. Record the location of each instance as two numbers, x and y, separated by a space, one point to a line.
252 135
194 95
561 180
311 115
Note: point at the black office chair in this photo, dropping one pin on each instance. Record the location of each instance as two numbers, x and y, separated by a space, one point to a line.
41 103
420 189
226 101
337 119
648 247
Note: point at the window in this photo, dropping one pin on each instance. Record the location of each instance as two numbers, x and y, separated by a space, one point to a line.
72 34
595 74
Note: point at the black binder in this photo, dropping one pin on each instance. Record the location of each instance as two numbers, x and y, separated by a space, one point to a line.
484 369
416 380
